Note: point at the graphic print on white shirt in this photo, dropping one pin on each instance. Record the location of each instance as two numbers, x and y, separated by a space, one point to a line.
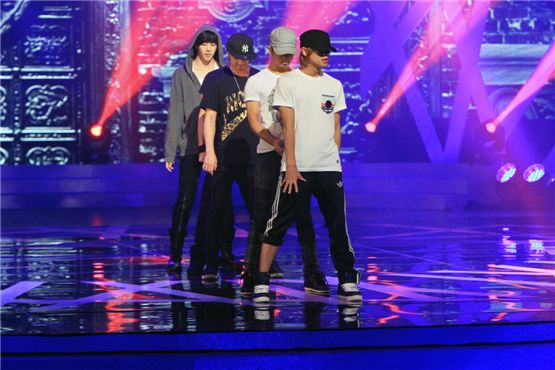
314 100
328 103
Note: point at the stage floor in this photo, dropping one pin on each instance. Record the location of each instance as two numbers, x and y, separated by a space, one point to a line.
65 276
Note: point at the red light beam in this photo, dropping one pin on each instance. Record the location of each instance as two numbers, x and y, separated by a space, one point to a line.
426 54
150 40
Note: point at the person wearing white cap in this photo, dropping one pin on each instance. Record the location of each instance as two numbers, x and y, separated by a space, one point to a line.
310 103
265 121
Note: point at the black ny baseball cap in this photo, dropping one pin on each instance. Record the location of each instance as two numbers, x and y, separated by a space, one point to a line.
317 40
240 46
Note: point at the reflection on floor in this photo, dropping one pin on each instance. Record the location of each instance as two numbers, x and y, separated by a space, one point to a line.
427 269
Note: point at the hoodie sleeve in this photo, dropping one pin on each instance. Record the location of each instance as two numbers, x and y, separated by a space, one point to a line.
176 117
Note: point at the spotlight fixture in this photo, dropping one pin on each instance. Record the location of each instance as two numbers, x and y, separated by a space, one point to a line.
505 172
534 173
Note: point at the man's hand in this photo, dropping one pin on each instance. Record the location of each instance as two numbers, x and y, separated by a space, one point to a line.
169 166
201 157
210 163
278 146
289 183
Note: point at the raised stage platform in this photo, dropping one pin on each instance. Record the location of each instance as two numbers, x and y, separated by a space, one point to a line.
428 279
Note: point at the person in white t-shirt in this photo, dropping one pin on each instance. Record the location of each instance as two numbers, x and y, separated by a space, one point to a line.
264 120
310 102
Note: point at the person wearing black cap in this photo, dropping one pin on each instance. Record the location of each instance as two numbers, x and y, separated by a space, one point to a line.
310 102
230 144
265 121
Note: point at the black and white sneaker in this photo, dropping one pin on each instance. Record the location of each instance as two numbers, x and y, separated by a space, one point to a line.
348 289
261 294
262 288
316 283
349 292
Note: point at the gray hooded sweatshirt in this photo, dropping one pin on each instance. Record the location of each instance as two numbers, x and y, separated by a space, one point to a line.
182 129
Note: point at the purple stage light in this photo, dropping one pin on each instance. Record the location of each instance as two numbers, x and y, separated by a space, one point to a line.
534 173
505 172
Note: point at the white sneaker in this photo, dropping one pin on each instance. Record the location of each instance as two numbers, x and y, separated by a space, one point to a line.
349 292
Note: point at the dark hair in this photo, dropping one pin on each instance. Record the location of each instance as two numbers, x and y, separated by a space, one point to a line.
206 36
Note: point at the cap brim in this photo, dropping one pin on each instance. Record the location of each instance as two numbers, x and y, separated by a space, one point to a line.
322 50
250 57
283 50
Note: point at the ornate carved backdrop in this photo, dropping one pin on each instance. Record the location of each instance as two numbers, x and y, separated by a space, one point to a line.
57 59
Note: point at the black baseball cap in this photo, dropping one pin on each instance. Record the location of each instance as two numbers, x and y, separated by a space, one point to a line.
240 46
317 40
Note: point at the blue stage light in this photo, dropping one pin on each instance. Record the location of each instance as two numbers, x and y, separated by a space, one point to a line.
534 173
505 172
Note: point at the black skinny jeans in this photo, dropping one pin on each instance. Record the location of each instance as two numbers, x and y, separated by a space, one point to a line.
189 174
220 199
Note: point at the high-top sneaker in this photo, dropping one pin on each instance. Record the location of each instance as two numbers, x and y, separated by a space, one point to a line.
348 289
316 283
262 288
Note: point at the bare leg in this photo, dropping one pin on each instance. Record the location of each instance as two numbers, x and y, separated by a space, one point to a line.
267 255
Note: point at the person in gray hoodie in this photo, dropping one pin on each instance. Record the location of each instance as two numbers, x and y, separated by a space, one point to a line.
182 134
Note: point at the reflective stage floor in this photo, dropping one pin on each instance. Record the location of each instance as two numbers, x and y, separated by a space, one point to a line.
488 275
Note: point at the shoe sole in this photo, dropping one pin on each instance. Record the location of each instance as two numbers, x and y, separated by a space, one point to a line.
210 279
277 275
352 298
317 292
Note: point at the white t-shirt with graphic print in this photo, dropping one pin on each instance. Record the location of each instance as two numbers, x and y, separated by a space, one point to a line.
261 87
314 100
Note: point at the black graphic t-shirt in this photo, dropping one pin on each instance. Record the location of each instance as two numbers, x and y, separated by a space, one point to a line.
235 143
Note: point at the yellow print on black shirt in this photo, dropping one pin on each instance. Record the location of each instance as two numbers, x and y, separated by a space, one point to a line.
235 113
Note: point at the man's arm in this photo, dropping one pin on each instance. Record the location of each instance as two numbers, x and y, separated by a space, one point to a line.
210 161
337 133
292 174
255 123
200 133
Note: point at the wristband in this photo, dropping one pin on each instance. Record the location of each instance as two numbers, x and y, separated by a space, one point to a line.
201 148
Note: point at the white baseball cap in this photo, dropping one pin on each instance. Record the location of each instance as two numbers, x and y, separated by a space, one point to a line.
283 41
